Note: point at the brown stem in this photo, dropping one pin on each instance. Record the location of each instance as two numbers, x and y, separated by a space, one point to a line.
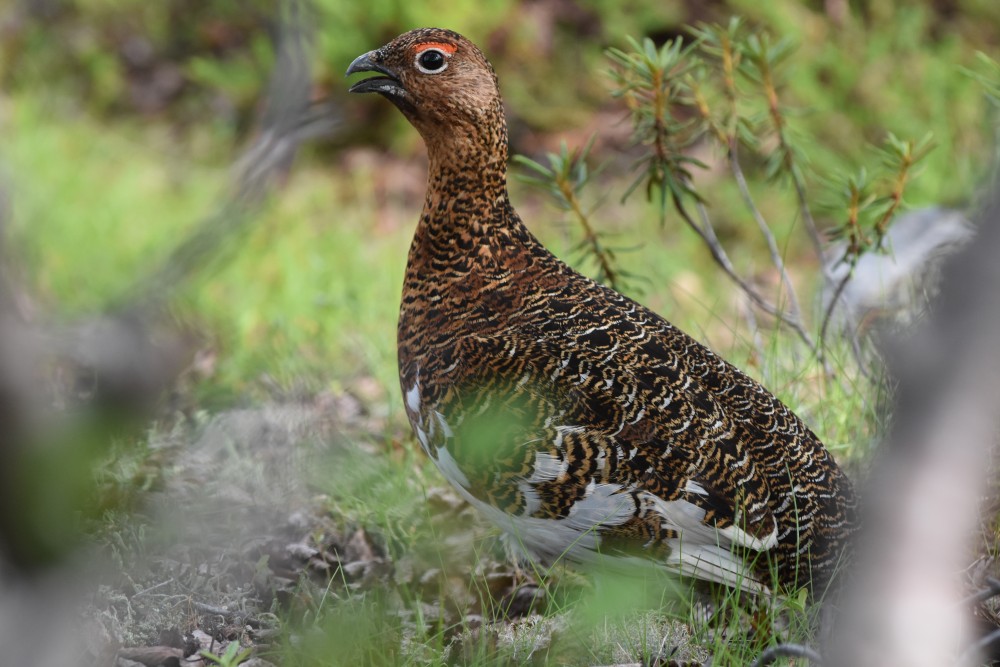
778 121
895 197
853 251
589 235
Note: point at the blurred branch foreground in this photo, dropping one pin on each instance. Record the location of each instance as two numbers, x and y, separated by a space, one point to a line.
922 503
67 389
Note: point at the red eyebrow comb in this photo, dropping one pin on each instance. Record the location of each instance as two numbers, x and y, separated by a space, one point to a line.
441 46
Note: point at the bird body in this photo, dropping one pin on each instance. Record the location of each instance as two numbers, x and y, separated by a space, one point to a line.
583 424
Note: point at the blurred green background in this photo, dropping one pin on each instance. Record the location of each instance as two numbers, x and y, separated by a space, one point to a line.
121 122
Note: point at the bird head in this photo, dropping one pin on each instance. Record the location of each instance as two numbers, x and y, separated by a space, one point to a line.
441 82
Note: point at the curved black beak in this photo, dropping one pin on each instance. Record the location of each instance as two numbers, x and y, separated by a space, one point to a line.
385 85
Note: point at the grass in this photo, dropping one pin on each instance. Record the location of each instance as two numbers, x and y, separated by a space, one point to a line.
307 303
309 299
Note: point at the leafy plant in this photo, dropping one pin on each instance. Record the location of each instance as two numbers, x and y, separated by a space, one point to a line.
649 80
869 205
564 178
726 87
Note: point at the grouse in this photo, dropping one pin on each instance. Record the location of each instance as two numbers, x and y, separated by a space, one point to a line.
581 423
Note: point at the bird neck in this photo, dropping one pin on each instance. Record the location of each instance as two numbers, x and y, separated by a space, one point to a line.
466 184
471 157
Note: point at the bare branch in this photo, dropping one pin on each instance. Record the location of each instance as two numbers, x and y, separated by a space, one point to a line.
765 230
807 218
707 234
830 307
289 117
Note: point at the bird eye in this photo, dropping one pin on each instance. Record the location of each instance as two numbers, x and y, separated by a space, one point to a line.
431 61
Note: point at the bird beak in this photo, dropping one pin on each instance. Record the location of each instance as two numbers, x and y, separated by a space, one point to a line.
388 85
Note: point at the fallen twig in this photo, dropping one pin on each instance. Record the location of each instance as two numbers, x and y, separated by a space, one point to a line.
979 647
992 590
787 651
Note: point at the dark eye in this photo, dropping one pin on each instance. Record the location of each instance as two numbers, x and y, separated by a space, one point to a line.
431 61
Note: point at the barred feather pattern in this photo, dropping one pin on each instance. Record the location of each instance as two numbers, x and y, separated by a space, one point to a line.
575 418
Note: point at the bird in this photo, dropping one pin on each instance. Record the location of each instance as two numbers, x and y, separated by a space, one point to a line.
584 425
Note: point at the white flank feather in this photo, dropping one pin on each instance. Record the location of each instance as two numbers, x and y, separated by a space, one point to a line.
547 468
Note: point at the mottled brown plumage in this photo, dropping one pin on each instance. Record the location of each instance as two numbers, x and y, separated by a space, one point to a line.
576 419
